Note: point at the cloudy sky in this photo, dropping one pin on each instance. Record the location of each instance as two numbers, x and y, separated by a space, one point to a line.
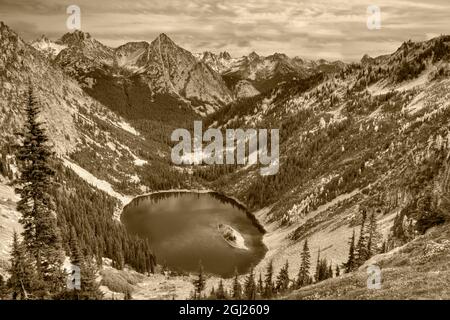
306 28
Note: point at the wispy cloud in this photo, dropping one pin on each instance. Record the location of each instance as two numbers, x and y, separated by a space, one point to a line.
311 29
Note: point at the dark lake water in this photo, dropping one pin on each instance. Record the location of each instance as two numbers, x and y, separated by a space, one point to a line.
182 229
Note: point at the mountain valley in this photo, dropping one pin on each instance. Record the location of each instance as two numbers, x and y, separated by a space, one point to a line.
368 138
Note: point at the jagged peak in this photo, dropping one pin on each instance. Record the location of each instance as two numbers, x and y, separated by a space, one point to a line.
207 54
4 28
277 56
299 59
225 55
3 25
164 38
75 37
253 56
366 59
8 34
211 55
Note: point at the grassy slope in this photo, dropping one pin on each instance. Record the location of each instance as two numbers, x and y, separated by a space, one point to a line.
417 270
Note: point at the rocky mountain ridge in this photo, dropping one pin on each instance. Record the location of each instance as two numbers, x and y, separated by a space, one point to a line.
162 66
373 137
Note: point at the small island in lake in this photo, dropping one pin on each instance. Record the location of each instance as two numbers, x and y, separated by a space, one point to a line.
232 236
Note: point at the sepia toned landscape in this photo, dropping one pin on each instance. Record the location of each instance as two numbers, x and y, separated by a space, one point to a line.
94 206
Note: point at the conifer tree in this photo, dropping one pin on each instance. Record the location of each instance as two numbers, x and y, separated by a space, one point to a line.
237 288
260 285
40 232
23 276
323 270
128 295
303 273
220 293
199 283
351 261
317 274
99 259
384 247
165 268
283 278
76 256
212 294
268 282
119 259
3 289
90 288
250 286
338 271
374 237
361 247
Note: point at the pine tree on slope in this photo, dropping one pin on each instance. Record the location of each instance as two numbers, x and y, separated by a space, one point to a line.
199 283
374 237
237 288
76 257
283 278
317 274
260 285
22 280
3 288
250 286
268 282
350 265
220 293
361 247
338 271
303 273
41 235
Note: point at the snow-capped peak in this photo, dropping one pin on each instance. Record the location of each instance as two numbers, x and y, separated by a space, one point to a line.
48 47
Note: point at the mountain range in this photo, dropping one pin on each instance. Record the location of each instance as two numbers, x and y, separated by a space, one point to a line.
204 80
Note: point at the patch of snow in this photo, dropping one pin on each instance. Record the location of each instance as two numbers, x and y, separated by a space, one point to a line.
127 127
416 104
48 46
139 162
379 88
94 181
134 178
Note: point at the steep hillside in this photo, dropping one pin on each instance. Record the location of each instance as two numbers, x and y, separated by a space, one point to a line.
360 140
417 270
77 122
101 158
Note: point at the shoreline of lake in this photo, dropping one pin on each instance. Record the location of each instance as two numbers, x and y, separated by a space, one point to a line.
177 220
